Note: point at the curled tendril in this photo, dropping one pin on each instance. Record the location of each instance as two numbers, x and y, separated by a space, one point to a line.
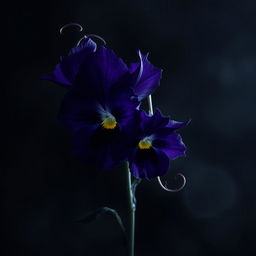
164 187
71 25
80 28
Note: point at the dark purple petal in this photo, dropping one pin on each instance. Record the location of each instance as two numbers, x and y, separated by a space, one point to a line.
148 163
58 77
170 128
101 71
78 111
177 125
172 145
85 47
66 71
122 103
146 77
71 64
136 69
149 124
99 147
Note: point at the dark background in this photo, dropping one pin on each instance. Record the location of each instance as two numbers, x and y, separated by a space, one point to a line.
207 50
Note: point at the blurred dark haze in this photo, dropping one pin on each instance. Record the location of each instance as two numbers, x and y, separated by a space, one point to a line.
208 53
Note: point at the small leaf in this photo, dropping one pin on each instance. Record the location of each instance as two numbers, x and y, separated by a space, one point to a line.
92 216
95 214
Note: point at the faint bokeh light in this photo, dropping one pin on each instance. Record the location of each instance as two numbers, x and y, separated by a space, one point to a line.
210 192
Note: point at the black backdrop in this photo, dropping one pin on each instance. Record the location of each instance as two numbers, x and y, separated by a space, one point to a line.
207 50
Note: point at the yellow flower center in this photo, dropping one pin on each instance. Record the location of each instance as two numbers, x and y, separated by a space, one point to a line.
145 144
109 123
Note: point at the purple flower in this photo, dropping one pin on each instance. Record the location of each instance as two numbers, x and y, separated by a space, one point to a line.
98 108
156 144
101 112
86 65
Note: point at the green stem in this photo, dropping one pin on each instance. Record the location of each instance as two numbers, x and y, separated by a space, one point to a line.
132 209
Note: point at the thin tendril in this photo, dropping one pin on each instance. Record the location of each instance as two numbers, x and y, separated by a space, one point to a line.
71 25
99 37
81 39
164 187
89 36
80 30
151 112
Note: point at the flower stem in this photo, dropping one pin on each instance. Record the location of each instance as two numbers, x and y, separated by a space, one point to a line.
132 209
